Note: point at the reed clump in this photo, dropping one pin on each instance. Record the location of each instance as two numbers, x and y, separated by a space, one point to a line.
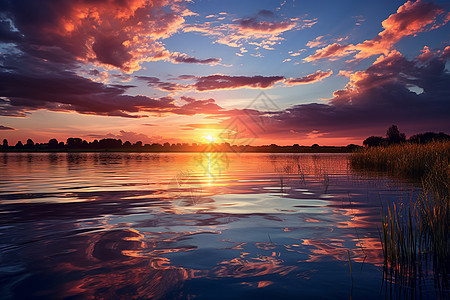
418 229
414 161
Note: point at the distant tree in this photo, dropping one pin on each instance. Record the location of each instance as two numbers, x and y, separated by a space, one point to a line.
30 143
19 144
374 141
393 135
74 143
352 147
127 144
95 144
53 143
110 144
138 144
315 146
427 137
5 143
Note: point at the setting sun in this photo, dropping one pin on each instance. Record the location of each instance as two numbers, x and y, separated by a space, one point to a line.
209 138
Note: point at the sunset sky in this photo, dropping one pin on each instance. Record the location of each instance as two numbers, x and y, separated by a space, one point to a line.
285 72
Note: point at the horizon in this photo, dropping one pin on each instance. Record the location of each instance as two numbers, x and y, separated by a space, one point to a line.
259 72
209 140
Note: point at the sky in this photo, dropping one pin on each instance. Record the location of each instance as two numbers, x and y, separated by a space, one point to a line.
244 72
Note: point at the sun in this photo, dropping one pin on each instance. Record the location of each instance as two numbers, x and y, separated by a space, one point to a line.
209 138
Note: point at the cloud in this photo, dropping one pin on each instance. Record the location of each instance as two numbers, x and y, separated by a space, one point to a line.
220 82
446 52
110 33
291 53
332 52
410 19
317 76
263 30
226 82
164 86
317 42
194 106
184 58
6 128
215 82
376 98
28 84
7 35
254 25
426 54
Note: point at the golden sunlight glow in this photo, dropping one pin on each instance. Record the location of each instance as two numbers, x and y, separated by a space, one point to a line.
209 138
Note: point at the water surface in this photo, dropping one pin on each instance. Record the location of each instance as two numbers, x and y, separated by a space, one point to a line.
203 226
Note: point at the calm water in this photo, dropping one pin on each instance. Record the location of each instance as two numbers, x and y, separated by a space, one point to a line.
203 226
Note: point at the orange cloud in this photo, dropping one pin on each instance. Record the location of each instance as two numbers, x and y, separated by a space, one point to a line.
317 42
410 19
332 52
111 34
311 78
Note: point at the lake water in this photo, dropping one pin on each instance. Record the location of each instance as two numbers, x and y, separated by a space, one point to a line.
193 226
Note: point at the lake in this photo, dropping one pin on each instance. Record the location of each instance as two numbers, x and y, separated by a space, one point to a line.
194 226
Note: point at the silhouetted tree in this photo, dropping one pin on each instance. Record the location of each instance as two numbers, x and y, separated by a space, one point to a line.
127 144
110 144
352 147
19 144
427 137
138 144
393 135
53 143
5 143
374 141
30 143
95 144
73 143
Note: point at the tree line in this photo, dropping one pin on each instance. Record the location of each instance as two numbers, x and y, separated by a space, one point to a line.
394 136
110 144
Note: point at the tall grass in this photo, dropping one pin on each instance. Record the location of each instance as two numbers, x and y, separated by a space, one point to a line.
407 160
417 230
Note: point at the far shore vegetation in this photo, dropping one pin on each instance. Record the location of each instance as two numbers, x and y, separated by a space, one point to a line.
117 145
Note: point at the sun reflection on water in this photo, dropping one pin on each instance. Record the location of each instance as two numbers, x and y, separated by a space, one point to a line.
141 225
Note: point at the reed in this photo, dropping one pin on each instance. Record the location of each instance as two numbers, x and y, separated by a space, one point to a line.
428 162
416 230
